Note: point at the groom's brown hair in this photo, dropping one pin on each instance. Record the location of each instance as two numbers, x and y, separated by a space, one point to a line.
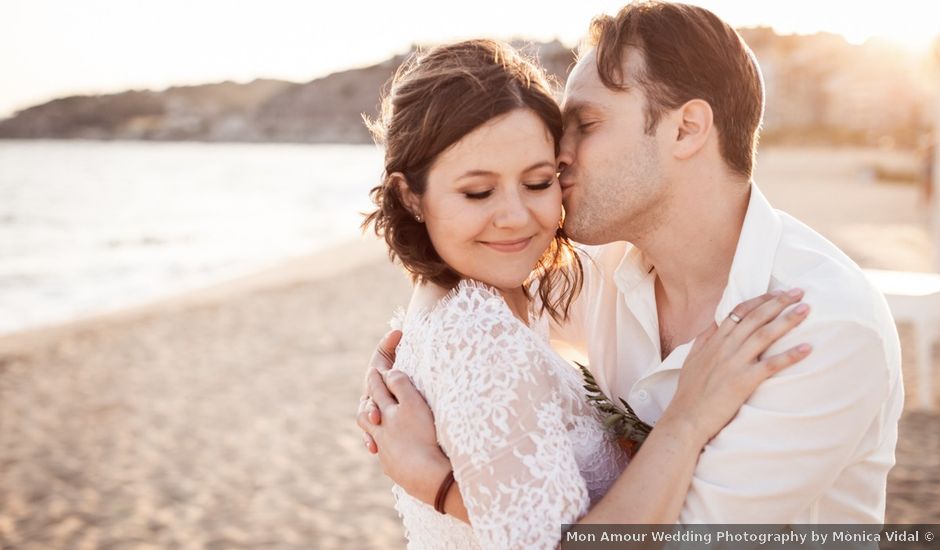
688 53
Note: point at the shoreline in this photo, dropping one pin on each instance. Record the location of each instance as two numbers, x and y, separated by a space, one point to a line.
323 264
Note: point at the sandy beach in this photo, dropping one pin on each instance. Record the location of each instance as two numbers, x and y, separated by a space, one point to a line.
225 418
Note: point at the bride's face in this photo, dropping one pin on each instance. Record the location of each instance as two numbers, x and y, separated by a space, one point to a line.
492 203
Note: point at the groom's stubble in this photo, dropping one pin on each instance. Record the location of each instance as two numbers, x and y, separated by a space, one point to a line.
620 198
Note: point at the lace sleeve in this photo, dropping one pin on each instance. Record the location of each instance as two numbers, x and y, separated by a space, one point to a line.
502 420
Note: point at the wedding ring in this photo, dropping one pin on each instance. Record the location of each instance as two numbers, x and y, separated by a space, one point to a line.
734 317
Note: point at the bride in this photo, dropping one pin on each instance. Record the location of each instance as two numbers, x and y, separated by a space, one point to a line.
471 206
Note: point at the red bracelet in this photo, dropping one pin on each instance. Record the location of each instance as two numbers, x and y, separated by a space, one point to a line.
442 492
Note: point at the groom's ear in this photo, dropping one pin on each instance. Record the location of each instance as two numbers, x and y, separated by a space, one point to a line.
694 124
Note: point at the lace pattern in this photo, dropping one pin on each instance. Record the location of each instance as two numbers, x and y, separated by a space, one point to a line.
528 452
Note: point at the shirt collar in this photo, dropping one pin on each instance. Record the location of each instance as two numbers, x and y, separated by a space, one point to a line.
754 256
633 269
750 269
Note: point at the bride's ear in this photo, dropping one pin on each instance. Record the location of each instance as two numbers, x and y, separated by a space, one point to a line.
411 201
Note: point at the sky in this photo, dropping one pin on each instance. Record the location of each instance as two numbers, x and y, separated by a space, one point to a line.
53 48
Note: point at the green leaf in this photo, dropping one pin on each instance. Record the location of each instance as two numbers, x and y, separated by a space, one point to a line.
613 419
620 419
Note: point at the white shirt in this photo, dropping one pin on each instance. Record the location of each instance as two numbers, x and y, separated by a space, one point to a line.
814 443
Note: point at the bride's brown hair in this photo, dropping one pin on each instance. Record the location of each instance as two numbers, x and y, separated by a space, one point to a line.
435 99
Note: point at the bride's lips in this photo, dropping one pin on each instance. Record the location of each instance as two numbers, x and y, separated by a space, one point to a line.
508 246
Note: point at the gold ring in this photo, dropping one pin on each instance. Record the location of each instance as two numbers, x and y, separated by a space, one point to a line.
734 317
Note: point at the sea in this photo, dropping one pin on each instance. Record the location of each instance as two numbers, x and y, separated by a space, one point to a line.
89 227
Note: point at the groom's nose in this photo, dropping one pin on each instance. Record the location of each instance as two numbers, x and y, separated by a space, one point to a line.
565 154
564 162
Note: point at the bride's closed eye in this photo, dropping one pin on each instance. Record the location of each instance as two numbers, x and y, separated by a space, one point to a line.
540 186
530 186
479 196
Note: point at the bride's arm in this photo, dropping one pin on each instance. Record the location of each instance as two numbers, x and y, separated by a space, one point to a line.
502 420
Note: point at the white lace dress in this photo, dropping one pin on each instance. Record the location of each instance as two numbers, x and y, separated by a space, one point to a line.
529 453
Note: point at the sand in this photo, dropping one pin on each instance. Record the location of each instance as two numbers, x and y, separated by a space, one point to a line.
225 418
203 423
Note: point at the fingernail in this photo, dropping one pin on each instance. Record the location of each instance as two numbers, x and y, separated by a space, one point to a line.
795 293
804 348
801 309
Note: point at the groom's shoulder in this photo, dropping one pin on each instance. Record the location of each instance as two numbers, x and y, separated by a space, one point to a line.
834 285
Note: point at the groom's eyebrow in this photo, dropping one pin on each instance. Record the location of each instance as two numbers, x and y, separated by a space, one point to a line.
576 109
572 110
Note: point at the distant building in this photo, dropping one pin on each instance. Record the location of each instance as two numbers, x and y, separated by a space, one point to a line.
821 88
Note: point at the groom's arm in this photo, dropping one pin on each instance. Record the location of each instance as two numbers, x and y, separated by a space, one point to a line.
799 430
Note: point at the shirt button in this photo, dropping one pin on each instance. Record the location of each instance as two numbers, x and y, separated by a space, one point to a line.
642 395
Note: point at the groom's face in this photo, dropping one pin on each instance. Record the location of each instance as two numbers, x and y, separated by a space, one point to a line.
612 177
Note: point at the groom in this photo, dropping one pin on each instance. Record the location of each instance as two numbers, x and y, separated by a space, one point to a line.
661 122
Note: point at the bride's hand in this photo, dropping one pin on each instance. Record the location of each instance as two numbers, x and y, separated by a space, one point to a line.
725 365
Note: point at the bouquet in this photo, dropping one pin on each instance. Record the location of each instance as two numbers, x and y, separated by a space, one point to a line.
621 421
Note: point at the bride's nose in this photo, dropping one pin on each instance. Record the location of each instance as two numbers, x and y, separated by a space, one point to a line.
512 212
